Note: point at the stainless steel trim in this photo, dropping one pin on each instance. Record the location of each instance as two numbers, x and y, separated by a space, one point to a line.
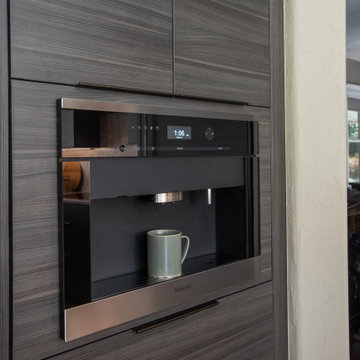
175 110
163 198
209 196
102 314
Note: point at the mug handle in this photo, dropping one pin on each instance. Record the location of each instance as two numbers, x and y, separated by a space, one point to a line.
186 249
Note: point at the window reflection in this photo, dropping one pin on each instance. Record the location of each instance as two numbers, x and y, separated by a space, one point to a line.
354 227
353 146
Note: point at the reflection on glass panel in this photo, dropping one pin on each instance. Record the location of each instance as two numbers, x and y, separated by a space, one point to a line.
353 116
354 162
353 146
354 231
353 129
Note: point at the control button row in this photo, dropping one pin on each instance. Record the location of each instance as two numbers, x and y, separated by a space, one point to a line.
209 133
145 127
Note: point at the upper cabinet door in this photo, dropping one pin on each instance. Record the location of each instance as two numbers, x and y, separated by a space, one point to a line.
222 50
122 43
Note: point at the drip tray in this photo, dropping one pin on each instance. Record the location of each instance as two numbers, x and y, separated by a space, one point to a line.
120 284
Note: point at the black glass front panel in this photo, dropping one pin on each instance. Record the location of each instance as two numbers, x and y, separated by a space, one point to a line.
112 165
99 134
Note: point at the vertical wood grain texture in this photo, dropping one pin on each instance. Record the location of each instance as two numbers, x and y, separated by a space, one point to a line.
35 237
124 43
278 177
265 198
222 50
4 188
240 327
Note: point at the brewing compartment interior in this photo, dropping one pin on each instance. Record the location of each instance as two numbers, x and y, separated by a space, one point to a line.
114 168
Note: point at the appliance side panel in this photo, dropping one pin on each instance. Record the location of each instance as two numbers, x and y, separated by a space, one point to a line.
278 173
4 187
265 199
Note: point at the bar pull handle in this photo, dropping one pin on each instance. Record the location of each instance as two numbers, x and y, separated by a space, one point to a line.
178 315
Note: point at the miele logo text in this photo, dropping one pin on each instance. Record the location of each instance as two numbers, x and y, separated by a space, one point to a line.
182 288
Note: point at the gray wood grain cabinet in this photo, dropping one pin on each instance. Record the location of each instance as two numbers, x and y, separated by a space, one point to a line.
222 49
123 43
240 327
36 266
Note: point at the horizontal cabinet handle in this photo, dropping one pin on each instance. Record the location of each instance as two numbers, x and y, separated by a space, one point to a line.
170 318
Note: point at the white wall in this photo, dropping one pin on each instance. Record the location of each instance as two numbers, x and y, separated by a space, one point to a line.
316 178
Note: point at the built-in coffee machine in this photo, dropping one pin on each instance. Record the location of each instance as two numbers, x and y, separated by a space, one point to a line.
125 170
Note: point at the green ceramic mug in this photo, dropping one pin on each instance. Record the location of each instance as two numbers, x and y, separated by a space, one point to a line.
165 252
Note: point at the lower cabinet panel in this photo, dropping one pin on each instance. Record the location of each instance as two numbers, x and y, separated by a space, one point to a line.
240 327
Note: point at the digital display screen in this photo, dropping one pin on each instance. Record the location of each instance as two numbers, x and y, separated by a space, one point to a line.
179 132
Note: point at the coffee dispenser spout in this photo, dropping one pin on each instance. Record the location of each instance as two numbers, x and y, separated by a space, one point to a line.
169 197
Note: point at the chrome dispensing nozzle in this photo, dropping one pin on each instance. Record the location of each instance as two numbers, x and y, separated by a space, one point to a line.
169 197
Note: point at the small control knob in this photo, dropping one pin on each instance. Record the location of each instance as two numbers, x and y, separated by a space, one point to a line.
209 133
